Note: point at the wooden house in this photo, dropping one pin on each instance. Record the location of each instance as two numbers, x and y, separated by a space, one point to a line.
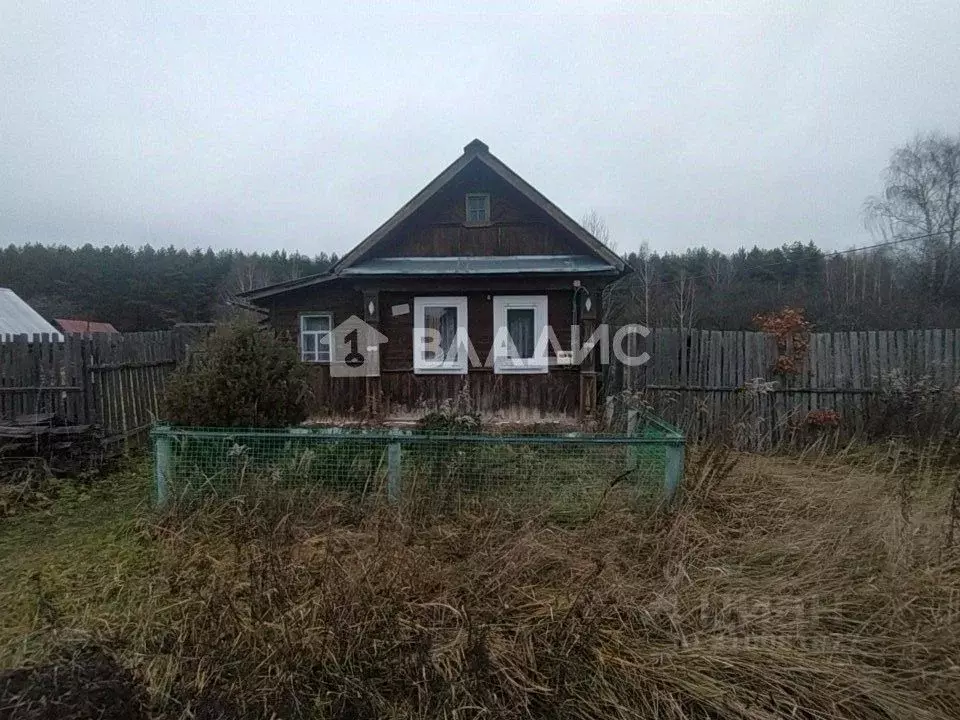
478 255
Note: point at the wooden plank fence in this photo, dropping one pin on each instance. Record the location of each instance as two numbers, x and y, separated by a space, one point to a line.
111 380
705 379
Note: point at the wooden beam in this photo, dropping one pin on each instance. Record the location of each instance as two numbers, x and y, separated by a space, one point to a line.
373 388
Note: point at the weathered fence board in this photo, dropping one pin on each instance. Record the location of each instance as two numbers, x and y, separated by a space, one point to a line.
701 378
115 381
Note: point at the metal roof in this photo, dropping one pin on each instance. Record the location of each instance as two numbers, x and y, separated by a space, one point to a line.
18 318
84 326
481 265
458 265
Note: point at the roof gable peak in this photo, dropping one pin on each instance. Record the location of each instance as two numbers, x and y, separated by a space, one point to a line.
476 149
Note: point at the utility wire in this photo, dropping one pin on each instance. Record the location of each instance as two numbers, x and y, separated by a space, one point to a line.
835 253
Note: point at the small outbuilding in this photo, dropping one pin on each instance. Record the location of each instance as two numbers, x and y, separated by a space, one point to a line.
18 318
89 327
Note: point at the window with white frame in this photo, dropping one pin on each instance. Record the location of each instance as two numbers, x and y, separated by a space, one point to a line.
315 337
440 335
478 208
520 334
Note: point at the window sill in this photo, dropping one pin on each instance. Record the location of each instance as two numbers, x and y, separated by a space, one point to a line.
485 223
509 369
440 371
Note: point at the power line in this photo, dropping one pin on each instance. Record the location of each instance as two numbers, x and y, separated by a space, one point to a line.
835 253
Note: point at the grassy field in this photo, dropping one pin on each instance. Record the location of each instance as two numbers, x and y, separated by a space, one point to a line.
777 587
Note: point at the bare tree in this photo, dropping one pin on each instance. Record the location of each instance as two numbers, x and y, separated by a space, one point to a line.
645 273
922 197
683 300
593 223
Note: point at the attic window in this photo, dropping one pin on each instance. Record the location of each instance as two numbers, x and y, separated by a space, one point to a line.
478 208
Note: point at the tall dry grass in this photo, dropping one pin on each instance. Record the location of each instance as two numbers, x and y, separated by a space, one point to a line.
774 588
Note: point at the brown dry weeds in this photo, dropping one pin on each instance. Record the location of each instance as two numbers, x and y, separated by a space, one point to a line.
778 588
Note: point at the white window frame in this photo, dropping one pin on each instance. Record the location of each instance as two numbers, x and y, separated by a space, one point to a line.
317 360
423 366
502 362
486 208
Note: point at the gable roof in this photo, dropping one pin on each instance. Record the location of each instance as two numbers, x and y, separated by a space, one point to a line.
18 318
478 150
84 326
602 261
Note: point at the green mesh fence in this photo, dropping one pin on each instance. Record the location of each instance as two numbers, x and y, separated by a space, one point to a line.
440 472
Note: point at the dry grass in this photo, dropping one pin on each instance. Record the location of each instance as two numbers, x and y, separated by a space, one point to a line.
776 588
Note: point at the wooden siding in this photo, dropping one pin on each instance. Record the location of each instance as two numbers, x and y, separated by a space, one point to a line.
531 238
402 390
397 354
539 395
339 299
516 227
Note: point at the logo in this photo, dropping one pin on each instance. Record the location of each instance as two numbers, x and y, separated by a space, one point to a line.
355 349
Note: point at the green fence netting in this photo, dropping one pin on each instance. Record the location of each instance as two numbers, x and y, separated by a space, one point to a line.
438 471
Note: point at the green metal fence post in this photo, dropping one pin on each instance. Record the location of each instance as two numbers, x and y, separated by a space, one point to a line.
393 472
162 455
673 470
633 453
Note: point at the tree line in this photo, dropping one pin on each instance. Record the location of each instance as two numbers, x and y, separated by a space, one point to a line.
881 289
145 288
912 280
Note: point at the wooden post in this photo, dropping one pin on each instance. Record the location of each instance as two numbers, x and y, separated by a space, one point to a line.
589 312
371 316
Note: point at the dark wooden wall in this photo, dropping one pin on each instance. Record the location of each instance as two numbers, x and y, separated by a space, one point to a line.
343 301
516 227
397 354
552 393
337 298
556 391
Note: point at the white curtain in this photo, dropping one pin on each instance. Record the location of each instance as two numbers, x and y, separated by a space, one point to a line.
444 321
520 326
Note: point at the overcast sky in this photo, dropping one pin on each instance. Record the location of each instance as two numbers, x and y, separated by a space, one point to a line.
246 126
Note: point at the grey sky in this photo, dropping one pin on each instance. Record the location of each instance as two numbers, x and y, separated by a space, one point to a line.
249 127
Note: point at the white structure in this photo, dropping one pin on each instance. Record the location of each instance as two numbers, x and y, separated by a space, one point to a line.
18 318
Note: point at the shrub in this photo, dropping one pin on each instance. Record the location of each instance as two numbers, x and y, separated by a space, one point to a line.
792 331
241 376
453 415
915 407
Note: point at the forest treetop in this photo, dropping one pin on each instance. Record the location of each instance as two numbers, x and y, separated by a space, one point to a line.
147 288
901 285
